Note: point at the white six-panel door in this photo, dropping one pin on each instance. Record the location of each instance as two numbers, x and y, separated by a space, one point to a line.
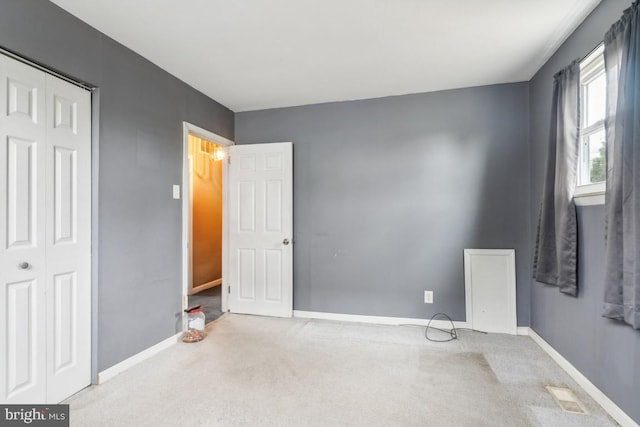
261 229
45 232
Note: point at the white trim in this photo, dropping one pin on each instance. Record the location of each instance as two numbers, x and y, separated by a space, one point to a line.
378 320
511 274
607 404
591 130
590 189
589 200
593 56
589 195
206 286
574 17
187 129
522 330
118 368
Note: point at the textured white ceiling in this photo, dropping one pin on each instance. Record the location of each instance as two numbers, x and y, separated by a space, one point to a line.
255 54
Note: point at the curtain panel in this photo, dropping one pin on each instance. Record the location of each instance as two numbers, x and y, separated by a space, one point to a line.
622 199
555 256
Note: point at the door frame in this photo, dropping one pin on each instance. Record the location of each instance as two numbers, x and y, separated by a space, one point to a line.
191 129
95 227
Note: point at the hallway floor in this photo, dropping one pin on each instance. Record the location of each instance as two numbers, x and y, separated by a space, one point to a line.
211 302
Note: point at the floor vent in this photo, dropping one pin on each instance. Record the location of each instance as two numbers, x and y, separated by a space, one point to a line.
567 400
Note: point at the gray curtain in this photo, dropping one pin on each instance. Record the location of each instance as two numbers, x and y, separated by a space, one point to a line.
555 257
622 256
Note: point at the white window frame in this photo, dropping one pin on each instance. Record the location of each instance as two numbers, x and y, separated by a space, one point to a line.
590 68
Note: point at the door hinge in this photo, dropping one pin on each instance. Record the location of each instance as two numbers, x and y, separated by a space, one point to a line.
229 289
229 159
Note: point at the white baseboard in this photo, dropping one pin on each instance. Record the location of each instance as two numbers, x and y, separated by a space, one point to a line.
111 372
607 404
378 320
381 320
205 286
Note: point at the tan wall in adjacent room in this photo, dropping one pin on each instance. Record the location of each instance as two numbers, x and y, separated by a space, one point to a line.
206 208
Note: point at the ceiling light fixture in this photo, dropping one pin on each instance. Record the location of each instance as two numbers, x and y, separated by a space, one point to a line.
218 154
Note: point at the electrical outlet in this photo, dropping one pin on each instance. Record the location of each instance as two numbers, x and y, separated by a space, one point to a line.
176 191
428 297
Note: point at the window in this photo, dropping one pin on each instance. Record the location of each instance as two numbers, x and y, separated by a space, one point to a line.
591 153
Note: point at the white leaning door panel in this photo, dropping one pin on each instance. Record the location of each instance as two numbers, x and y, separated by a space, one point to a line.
490 285
261 229
22 234
68 244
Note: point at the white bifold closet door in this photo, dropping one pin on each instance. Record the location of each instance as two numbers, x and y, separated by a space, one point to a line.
45 236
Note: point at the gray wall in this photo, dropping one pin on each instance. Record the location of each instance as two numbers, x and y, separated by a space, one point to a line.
141 109
388 192
607 352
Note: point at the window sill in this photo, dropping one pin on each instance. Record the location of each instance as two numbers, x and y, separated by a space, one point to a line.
589 195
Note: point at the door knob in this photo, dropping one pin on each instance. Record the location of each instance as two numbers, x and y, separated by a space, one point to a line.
285 242
24 266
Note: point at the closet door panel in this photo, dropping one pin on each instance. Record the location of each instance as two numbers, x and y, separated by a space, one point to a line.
22 233
68 239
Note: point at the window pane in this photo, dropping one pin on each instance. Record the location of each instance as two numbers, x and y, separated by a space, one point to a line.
597 170
596 93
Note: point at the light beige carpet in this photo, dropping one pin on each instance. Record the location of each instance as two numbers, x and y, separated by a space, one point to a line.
258 371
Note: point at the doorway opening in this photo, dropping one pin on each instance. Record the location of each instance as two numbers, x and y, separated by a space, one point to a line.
204 221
